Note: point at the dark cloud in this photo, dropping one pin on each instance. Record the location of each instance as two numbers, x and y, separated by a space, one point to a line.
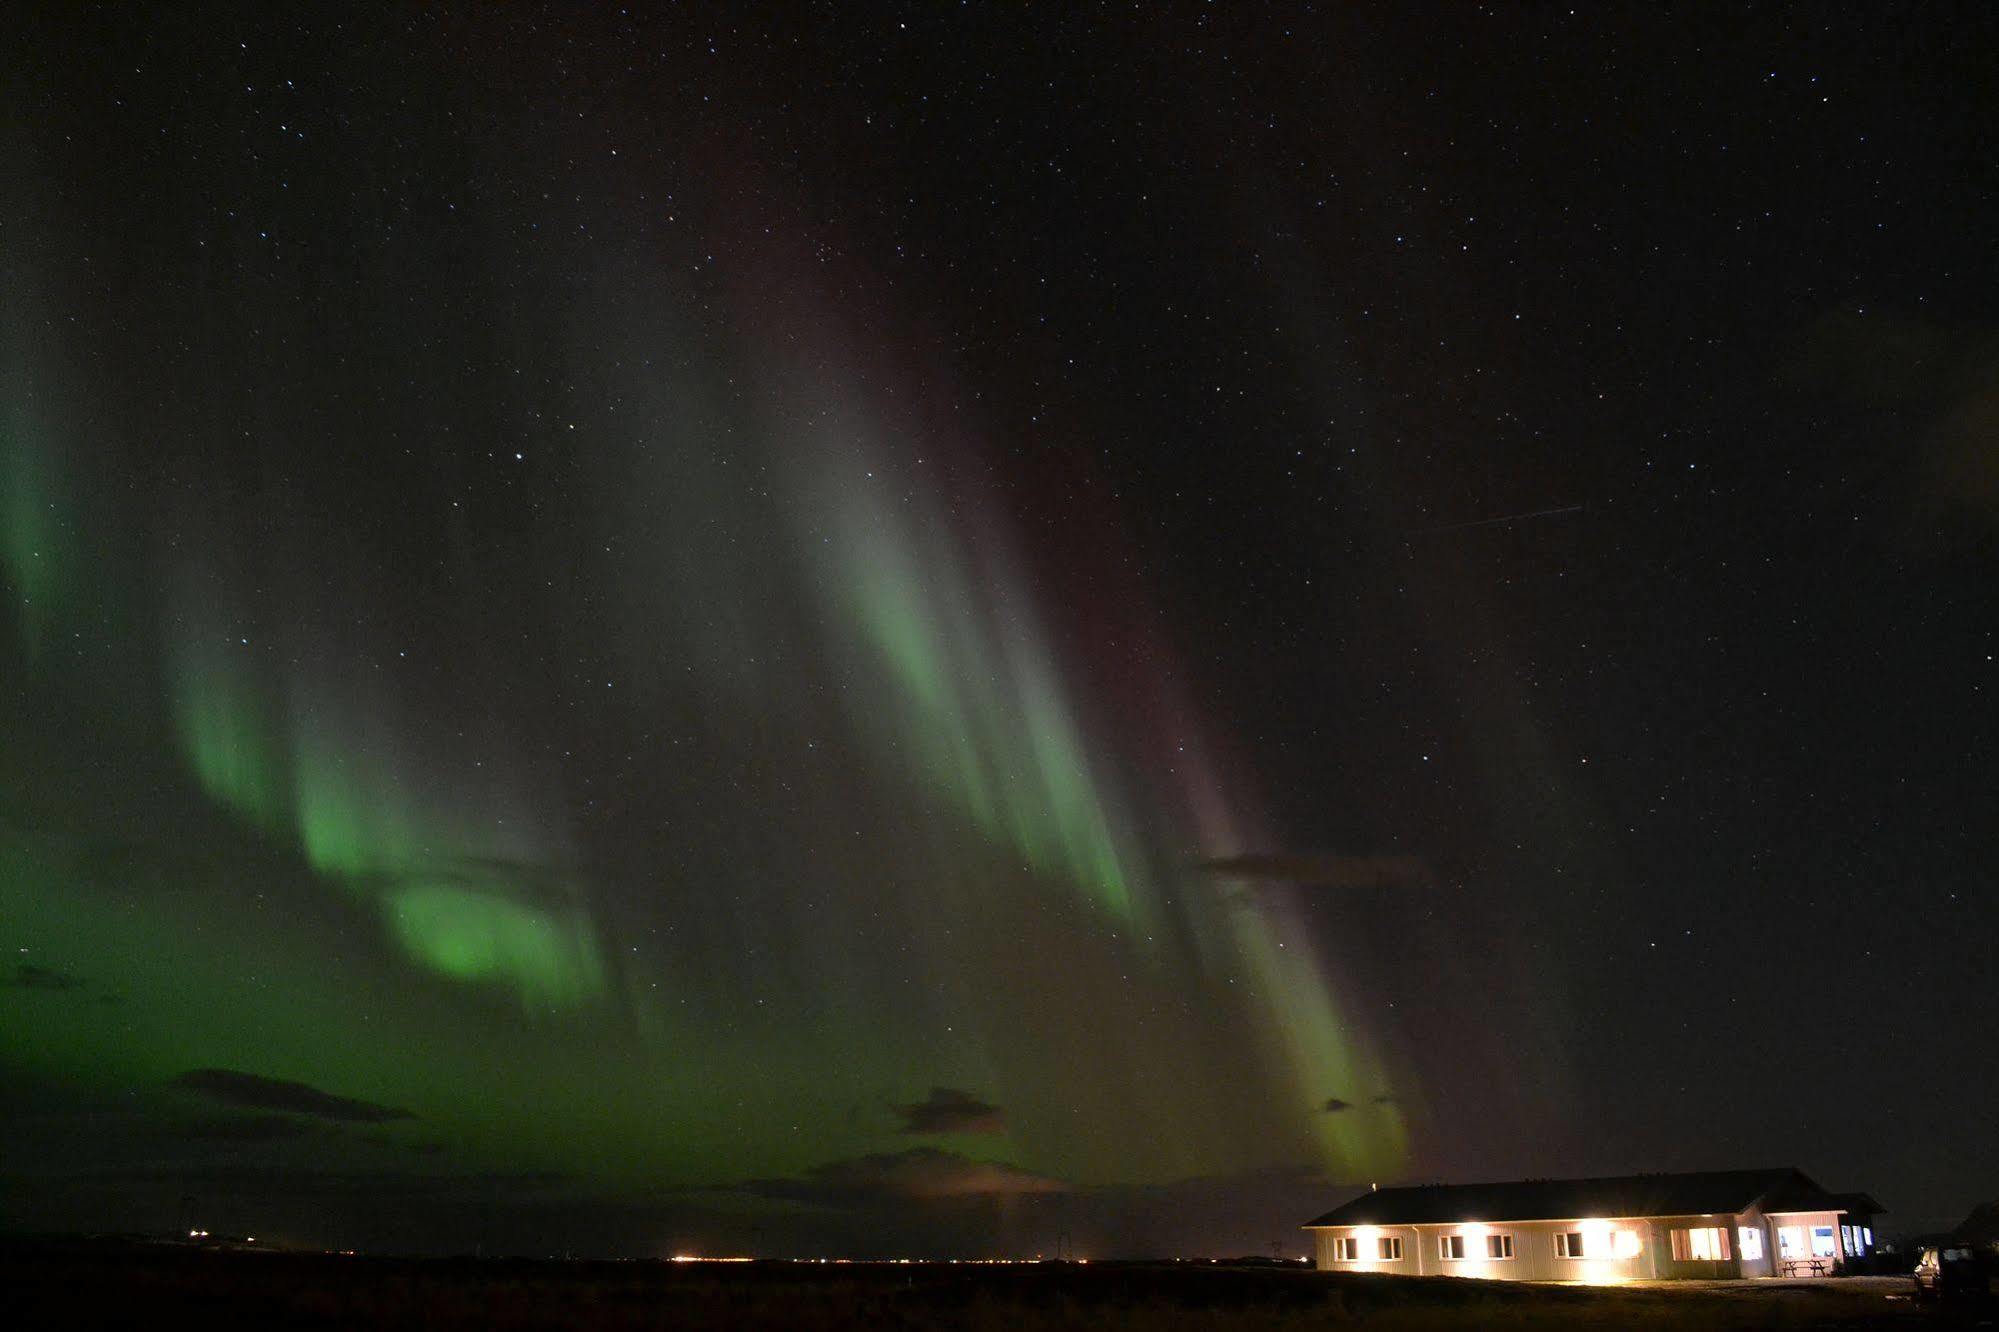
1323 871
252 1092
245 1128
1334 1105
28 976
951 1111
919 1174
49 980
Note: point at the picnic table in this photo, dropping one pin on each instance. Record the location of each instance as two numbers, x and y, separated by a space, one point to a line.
1816 1266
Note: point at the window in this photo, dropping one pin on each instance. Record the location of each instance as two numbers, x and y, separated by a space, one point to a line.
1346 1249
1750 1240
1450 1247
1822 1246
1846 1240
1569 1244
1790 1241
1499 1246
1702 1244
1389 1248
1866 1238
1624 1244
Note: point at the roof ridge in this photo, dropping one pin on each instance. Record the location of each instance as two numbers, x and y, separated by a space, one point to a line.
1656 1193
1589 1179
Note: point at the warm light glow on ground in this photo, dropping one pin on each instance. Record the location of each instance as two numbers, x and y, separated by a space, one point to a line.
696 1258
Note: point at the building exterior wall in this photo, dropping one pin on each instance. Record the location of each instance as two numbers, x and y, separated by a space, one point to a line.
1729 1223
1606 1259
1322 1242
1804 1223
1646 1254
1764 1264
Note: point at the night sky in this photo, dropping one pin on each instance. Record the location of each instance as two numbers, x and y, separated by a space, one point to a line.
922 630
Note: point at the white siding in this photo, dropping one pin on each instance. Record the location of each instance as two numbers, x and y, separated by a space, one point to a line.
1368 1261
1534 1248
1767 1264
1632 1248
1730 1224
1534 1257
1805 1222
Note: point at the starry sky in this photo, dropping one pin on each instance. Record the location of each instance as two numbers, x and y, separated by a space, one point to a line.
900 630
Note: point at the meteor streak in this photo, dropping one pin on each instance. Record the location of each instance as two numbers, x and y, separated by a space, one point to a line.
1494 522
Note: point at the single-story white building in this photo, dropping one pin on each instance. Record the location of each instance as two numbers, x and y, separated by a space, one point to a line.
1727 1223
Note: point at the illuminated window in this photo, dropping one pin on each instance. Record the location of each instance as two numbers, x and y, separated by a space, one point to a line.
1790 1241
1499 1246
1569 1244
1750 1240
1702 1244
1346 1249
1389 1248
1822 1246
1450 1247
1846 1240
1866 1238
1624 1244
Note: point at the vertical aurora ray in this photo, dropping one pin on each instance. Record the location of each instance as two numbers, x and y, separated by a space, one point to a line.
966 690
475 931
1319 1049
460 903
231 744
224 715
1316 1051
1084 846
951 677
352 816
325 771
853 823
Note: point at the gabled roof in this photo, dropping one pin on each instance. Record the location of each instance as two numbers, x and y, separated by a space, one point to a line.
1714 1192
1805 1196
1854 1204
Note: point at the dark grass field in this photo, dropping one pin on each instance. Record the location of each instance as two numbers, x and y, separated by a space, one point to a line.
76 1285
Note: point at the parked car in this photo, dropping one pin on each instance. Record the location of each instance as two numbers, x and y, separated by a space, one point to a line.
1953 1270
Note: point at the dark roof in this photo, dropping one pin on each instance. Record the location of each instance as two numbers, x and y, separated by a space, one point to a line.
1711 1192
1855 1204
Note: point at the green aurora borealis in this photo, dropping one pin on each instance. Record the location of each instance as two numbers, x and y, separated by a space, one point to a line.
650 784
965 631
